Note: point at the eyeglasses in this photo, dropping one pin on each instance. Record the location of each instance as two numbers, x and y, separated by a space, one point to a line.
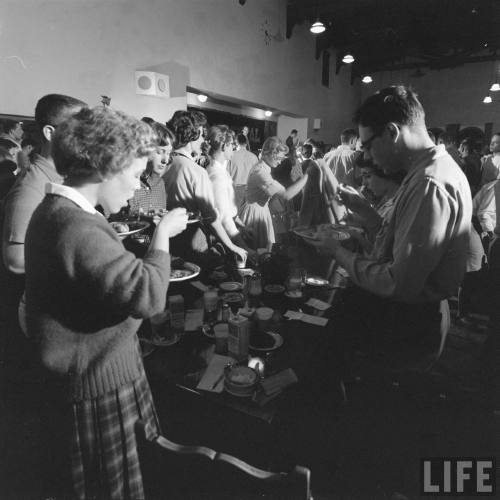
367 145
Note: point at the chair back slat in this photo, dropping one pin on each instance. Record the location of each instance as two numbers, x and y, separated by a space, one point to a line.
169 469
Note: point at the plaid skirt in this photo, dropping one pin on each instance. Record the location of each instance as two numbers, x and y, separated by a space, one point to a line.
104 459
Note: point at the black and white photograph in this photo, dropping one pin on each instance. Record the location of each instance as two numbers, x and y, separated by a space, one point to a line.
249 249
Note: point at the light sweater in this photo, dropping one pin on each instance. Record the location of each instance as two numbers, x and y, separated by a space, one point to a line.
86 297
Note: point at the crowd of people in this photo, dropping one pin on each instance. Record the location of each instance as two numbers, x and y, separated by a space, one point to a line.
80 295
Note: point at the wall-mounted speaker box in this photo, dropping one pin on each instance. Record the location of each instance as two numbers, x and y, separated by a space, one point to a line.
151 83
317 124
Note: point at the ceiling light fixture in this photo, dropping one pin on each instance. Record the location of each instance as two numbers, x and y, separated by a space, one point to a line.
348 59
317 28
268 113
367 79
495 87
202 98
487 99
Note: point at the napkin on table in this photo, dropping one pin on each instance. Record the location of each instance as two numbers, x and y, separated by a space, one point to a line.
306 318
213 378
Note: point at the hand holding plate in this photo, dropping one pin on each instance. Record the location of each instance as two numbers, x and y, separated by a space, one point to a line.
174 221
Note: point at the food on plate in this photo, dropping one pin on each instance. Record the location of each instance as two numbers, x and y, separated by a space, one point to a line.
120 227
242 375
180 273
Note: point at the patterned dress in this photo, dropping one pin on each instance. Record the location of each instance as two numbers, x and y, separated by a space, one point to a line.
255 214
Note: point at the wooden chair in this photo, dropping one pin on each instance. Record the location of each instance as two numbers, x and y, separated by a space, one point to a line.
174 471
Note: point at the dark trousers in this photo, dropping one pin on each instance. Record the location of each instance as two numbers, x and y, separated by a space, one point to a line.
365 322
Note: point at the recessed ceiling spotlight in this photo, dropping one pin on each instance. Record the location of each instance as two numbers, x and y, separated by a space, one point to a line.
268 113
367 79
317 28
202 98
487 100
348 59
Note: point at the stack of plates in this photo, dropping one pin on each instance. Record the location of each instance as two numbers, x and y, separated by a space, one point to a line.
240 381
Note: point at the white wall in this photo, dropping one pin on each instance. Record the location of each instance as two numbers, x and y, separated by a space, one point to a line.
287 123
87 48
449 96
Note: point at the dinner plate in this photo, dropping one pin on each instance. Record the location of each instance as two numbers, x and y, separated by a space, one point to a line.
230 286
274 289
316 281
134 227
278 342
208 331
165 342
248 394
183 270
337 231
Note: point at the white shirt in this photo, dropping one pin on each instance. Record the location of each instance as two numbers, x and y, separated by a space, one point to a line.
240 165
71 194
223 190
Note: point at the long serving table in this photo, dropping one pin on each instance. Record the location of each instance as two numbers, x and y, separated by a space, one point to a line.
256 430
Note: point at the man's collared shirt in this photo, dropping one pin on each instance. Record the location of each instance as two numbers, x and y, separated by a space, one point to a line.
240 165
420 251
342 163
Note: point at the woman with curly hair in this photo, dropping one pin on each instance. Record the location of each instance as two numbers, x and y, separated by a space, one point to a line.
262 187
188 186
86 297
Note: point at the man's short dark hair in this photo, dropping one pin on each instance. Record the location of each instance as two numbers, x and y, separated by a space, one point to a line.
447 139
9 125
307 150
347 135
294 131
241 139
29 141
52 109
398 104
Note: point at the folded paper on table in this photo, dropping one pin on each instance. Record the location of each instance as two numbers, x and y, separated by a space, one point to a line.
213 378
306 318
194 320
199 285
318 304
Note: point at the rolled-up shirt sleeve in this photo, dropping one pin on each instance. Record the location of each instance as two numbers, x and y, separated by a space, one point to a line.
425 222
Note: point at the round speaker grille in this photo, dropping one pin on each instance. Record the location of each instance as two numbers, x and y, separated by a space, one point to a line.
161 85
144 82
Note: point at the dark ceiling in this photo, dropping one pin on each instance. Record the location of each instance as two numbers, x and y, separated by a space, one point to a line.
397 34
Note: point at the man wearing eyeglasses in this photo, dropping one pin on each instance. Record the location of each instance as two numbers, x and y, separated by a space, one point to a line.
420 251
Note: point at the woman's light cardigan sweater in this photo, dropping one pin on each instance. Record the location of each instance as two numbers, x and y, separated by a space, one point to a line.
86 297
